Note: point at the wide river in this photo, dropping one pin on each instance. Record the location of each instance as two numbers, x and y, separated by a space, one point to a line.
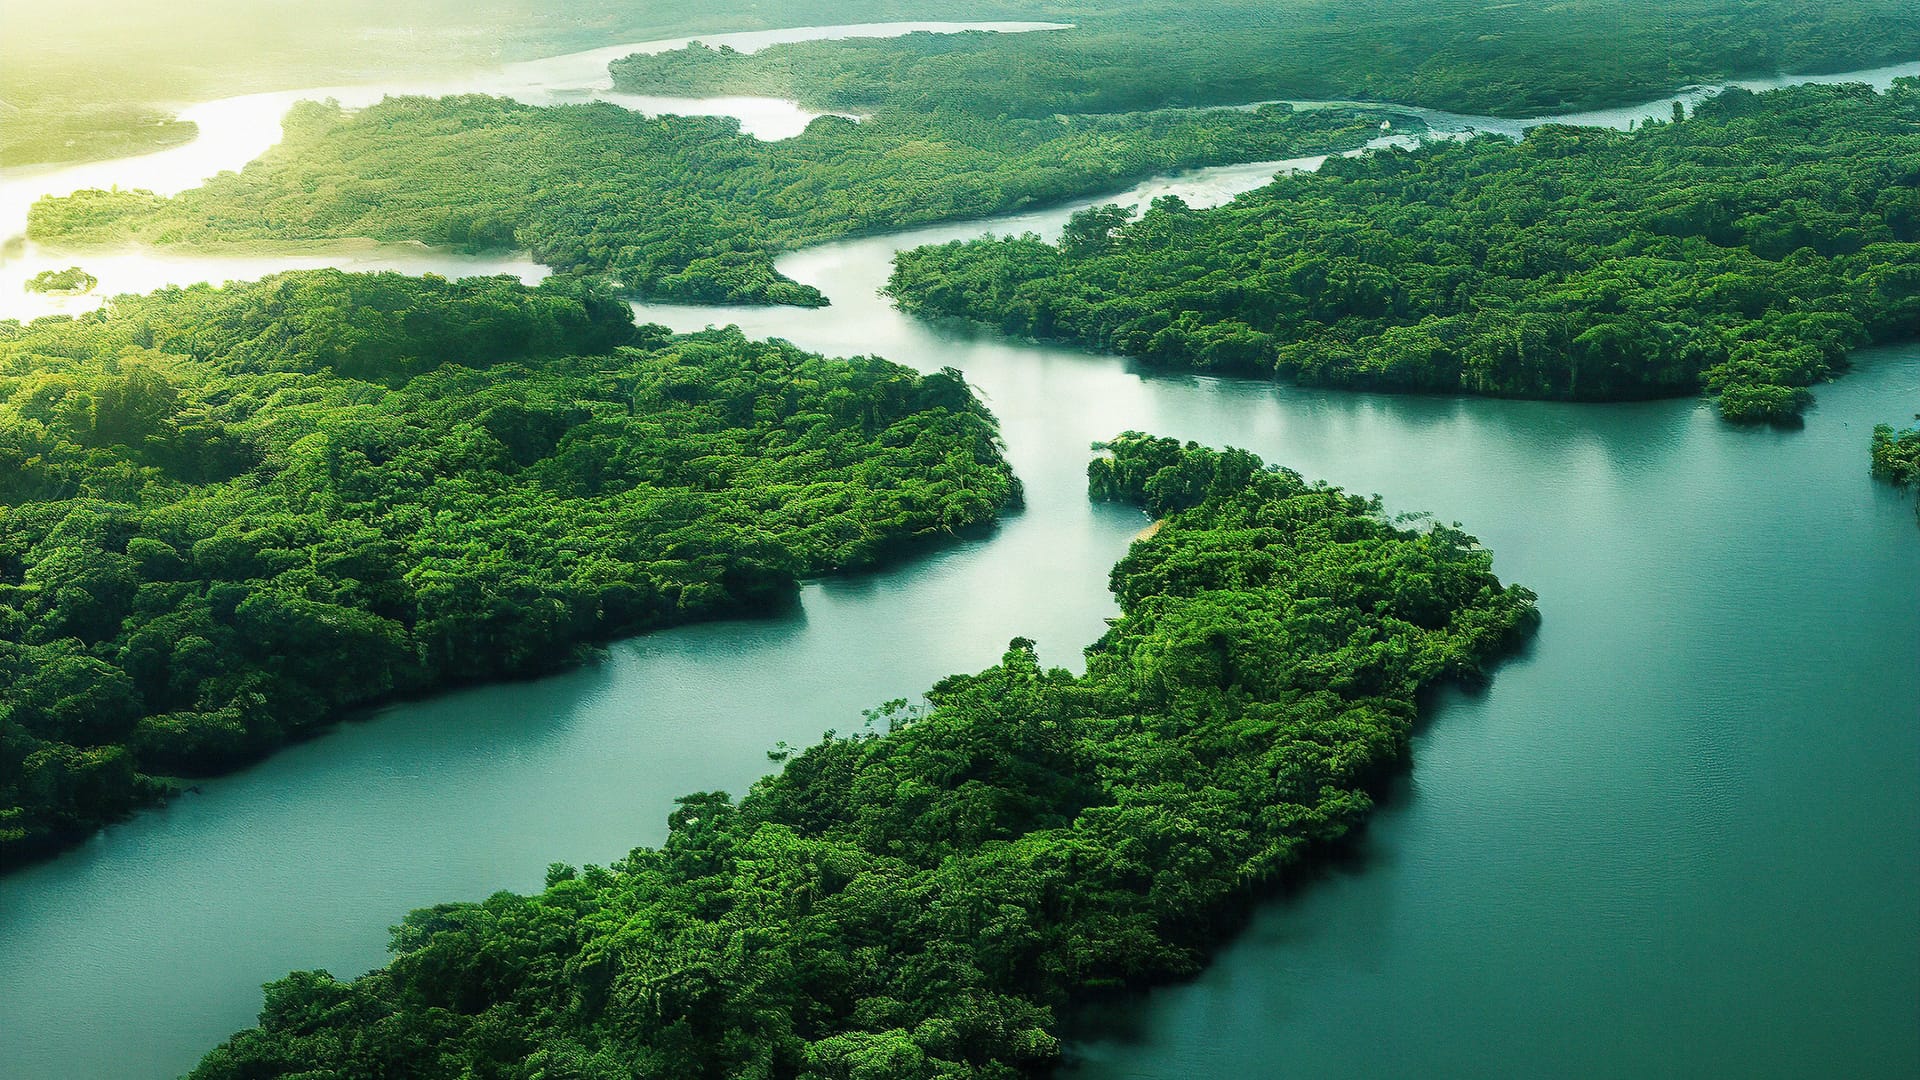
1679 836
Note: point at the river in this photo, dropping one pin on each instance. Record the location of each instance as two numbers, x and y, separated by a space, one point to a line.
236 130
1679 836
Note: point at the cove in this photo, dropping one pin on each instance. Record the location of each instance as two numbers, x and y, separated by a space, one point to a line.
1680 836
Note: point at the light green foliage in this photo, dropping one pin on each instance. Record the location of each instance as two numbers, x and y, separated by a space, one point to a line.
71 280
1745 250
227 515
63 130
925 902
677 208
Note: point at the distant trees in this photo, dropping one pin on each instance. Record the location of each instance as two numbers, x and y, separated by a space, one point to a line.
674 208
1503 59
1744 251
71 280
924 902
228 514
87 130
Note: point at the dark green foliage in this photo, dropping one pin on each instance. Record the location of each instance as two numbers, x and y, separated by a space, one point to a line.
677 208
924 902
1509 59
1745 250
1896 456
227 515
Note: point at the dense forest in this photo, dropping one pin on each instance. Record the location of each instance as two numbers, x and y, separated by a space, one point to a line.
1743 249
102 84
923 900
676 208
227 515
1514 59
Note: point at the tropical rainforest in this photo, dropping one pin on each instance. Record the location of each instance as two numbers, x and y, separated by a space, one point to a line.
229 515
675 208
1744 249
923 899
1512 59
103 84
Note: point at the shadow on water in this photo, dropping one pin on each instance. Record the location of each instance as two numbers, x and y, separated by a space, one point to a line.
1118 1019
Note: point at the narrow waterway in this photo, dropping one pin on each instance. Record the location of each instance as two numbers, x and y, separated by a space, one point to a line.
234 131
1680 836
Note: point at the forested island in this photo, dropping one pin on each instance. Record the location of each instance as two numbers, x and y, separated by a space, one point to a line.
229 515
1744 249
675 208
928 898
1896 456
71 281
1513 59
65 130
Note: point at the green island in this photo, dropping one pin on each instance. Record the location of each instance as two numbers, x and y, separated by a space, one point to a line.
72 280
1744 249
674 208
1514 59
229 515
106 83
1896 456
61 129
928 898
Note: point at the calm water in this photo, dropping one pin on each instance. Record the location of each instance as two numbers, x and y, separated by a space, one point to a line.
1680 836
234 131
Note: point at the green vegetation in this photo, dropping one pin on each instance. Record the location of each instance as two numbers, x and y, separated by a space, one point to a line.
924 903
88 86
227 515
62 130
71 280
103 82
1745 250
1896 456
1513 59
677 208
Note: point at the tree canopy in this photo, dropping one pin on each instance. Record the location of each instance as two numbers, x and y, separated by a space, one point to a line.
1744 249
923 900
227 515
1510 59
1896 456
674 208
